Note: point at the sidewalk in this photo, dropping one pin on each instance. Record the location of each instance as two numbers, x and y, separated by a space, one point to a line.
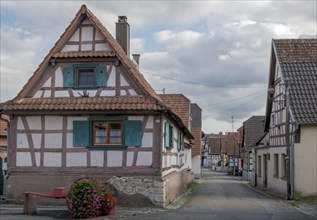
306 205
15 212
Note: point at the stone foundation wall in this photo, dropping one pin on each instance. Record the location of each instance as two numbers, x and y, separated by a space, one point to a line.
150 187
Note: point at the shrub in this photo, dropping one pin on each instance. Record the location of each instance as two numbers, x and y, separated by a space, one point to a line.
90 197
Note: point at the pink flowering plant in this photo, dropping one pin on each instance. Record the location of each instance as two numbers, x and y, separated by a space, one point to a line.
89 197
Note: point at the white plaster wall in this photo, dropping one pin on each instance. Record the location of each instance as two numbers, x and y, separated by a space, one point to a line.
20 123
86 47
23 159
69 141
102 47
34 122
123 92
147 140
22 141
97 158
37 140
38 94
114 158
53 140
130 158
87 33
305 162
144 159
276 184
75 36
196 162
76 159
108 93
149 123
52 159
112 78
47 93
53 122
260 178
48 82
70 48
59 81
61 94
132 92
123 81
98 35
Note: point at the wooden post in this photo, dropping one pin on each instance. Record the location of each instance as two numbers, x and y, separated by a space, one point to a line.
29 206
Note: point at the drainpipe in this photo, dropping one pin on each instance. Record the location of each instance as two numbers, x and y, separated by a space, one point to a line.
255 167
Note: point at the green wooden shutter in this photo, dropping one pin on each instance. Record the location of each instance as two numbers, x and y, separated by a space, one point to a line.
101 76
133 133
167 135
182 141
68 73
171 136
81 133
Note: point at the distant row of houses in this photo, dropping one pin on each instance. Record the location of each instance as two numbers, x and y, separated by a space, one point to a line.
279 150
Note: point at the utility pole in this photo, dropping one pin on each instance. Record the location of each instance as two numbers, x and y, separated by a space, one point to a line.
234 150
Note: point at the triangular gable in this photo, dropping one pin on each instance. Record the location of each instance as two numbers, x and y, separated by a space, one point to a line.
86 18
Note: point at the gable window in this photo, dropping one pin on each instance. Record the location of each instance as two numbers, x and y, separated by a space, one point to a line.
85 76
108 133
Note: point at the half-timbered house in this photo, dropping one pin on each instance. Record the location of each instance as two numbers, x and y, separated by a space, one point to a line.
286 156
88 111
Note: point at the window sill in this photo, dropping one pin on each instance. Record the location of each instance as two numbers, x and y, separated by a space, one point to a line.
275 176
107 148
284 178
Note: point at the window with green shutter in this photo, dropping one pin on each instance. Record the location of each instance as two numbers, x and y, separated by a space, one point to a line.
168 135
108 133
180 141
85 76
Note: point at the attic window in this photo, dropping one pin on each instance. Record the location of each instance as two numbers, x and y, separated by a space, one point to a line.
86 77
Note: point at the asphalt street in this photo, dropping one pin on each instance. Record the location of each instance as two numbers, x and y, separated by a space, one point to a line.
220 196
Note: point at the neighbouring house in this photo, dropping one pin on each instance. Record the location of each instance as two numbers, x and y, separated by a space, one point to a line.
215 152
190 113
3 152
253 129
240 154
88 111
287 155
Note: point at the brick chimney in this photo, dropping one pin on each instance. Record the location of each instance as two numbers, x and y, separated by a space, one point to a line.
123 34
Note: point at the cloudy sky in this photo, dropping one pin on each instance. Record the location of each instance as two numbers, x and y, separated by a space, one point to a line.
214 52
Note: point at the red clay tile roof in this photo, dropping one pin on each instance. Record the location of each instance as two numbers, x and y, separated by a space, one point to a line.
78 54
82 103
179 104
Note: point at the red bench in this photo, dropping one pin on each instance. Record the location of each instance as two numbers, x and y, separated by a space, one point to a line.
29 206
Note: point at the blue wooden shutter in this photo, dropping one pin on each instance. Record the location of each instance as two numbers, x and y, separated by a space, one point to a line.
133 133
101 76
68 73
167 135
81 133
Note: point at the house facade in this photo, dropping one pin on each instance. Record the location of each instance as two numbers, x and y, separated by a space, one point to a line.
88 111
3 152
253 129
287 155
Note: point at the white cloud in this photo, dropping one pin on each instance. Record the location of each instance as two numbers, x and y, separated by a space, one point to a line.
203 45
